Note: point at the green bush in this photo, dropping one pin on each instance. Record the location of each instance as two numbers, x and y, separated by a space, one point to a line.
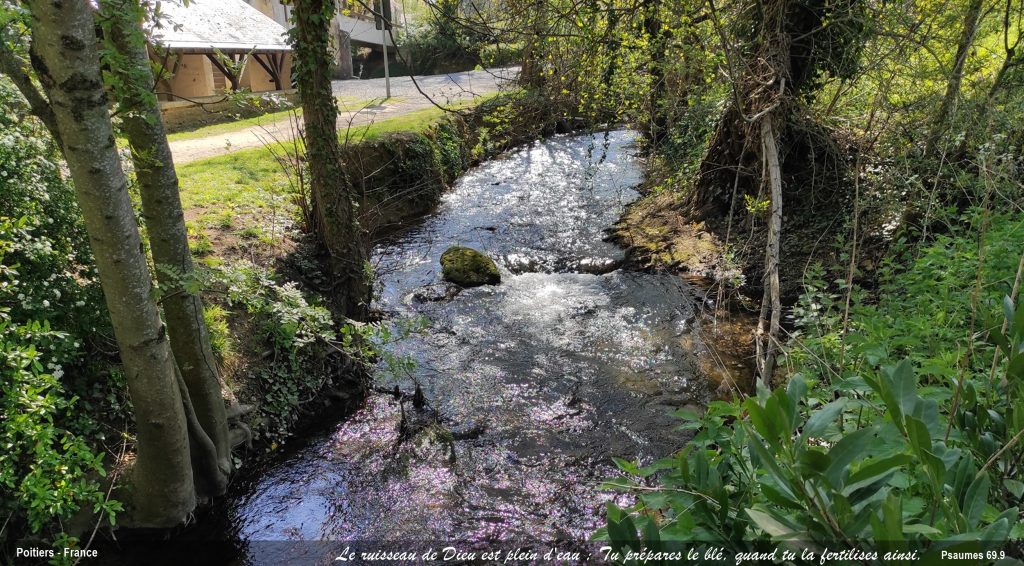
501 55
438 44
216 318
297 333
890 435
50 303
47 240
307 350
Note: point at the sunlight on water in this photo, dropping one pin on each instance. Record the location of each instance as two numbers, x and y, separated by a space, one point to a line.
537 382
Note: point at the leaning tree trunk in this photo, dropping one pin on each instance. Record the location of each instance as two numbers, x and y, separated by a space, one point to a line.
1011 56
658 37
334 207
168 238
771 301
767 101
766 147
17 70
956 76
67 62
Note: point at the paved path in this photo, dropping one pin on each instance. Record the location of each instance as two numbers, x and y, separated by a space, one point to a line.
443 89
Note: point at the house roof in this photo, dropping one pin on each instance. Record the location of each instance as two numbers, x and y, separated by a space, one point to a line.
225 25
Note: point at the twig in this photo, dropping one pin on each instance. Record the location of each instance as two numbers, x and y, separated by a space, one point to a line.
996 456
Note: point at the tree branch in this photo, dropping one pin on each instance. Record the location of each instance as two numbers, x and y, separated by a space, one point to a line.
17 69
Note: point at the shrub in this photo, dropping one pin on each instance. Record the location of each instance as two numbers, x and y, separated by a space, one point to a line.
216 319
890 435
307 350
439 44
501 55
50 302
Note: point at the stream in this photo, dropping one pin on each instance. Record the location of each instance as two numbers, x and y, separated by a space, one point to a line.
533 385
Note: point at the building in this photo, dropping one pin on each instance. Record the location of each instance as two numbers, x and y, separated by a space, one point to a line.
353 25
210 47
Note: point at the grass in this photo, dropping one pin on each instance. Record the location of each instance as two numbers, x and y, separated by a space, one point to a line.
345 104
236 203
240 182
415 121
246 195
234 126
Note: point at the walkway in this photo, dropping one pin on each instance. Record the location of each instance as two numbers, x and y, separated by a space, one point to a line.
443 89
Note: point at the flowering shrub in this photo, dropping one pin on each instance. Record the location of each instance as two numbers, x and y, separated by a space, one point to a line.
49 301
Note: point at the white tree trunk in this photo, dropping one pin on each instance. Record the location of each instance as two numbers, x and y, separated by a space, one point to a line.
67 62
168 238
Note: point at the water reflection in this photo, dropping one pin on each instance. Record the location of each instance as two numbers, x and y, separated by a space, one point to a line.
537 381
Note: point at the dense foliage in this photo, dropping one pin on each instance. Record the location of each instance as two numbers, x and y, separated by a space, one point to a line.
894 415
52 460
897 410
904 431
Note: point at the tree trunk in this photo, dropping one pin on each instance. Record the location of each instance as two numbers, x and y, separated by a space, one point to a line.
956 76
655 32
1010 55
333 204
67 63
771 300
168 238
345 70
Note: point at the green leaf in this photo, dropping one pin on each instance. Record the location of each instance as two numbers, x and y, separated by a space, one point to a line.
845 451
763 425
1015 487
822 418
652 538
688 414
626 466
921 529
918 435
975 500
994 328
904 385
997 531
779 498
613 512
1008 309
1016 366
876 468
814 461
1017 325
624 532
795 391
892 517
769 522
757 448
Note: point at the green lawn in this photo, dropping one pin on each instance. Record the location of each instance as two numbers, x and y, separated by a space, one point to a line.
415 121
345 104
246 195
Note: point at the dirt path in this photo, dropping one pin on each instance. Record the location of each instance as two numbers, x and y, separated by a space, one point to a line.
443 89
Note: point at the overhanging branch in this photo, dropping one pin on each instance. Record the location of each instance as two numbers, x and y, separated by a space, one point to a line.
17 69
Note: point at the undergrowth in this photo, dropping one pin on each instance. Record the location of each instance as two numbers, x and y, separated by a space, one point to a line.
898 424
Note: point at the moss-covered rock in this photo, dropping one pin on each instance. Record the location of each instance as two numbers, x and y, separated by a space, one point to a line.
468 267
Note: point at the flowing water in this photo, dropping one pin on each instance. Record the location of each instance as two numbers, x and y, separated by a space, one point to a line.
533 385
